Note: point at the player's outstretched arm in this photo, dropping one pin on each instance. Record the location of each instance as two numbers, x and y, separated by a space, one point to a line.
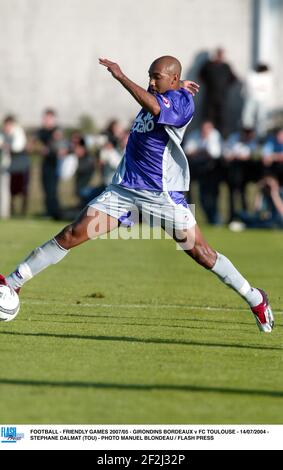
144 98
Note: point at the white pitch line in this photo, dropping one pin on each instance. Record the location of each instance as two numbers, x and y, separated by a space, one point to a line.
145 306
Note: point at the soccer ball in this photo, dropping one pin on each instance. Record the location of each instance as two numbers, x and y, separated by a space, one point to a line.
9 303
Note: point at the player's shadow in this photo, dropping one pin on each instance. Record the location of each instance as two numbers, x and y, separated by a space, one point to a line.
132 339
111 317
142 387
144 325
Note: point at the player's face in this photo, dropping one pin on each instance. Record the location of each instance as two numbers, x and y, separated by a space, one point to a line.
160 80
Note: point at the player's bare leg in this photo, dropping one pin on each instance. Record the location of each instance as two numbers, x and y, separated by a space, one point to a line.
89 225
194 245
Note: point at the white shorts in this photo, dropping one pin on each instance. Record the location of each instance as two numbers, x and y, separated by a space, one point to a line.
167 209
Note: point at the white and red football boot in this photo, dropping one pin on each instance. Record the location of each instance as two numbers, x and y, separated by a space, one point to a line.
263 314
3 282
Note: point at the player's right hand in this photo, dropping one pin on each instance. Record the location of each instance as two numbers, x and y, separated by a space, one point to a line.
112 67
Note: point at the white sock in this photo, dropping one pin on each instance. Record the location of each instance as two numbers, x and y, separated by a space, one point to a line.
40 258
228 274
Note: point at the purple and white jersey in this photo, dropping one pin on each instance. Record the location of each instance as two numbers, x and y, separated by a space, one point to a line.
154 159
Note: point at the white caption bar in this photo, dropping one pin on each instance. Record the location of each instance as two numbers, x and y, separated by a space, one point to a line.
122 437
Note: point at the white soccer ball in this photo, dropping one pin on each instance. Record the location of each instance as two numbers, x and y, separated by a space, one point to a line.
9 303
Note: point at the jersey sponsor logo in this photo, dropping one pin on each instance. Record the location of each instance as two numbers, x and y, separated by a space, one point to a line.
166 102
143 123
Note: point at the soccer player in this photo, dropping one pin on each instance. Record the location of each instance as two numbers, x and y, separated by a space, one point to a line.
151 177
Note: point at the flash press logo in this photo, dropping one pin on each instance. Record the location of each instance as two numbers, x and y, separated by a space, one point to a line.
9 435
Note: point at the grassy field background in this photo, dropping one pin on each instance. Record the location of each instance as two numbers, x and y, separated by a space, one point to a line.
134 332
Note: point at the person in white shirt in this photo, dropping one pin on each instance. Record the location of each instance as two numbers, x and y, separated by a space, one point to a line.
257 99
14 143
109 157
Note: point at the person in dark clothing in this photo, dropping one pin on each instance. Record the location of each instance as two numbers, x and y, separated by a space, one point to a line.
203 149
50 177
217 76
241 166
84 172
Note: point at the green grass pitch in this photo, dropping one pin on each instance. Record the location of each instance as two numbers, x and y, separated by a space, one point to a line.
134 332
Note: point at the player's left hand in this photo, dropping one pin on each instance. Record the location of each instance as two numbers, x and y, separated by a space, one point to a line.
112 67
192 87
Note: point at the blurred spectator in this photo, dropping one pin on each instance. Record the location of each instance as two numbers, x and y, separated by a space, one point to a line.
75 139
109 158
218 77
203 149
68 161
110 155
268 207
50 145
273 156
84 173
14 142
240 168
114 132
257 99
59 144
